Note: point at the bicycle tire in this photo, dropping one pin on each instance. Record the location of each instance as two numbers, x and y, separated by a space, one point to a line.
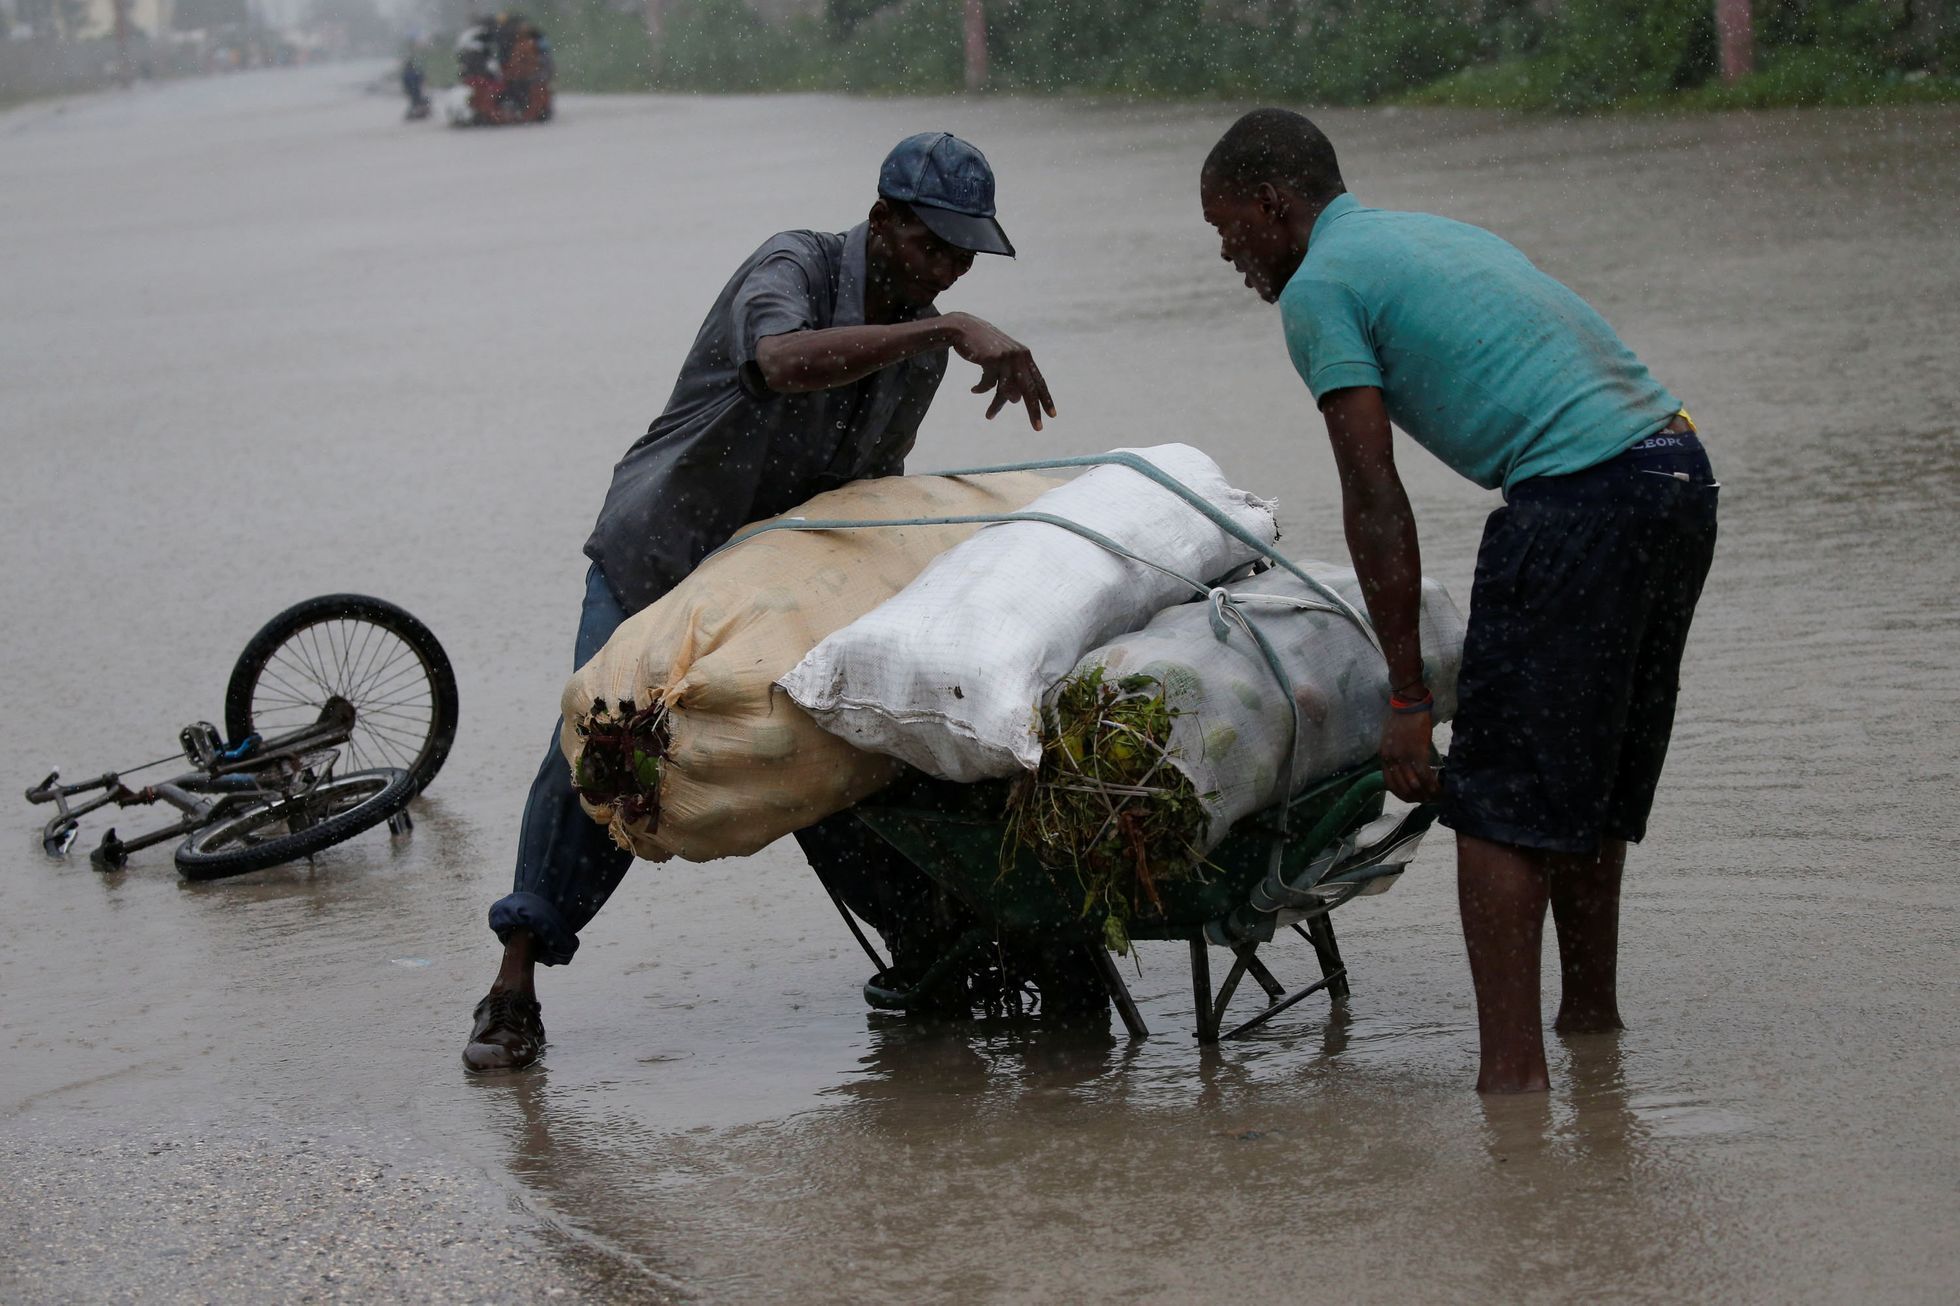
306 667
211 854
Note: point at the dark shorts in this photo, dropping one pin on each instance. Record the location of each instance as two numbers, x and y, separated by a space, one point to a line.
1586 585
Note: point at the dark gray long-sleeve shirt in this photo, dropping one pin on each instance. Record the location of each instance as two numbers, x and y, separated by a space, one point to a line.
728 450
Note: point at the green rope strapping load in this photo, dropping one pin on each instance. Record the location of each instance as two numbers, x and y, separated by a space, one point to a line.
620 762
1105 804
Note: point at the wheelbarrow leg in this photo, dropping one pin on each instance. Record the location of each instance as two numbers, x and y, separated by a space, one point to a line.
1265 978
1119 992
1320 933
1201 989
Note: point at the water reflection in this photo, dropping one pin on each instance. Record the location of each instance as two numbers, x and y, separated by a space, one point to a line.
1015 1157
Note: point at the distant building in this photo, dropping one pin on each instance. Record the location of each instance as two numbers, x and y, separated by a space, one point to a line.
151 17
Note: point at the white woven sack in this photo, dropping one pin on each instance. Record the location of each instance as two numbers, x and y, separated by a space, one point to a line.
949 674
1230 737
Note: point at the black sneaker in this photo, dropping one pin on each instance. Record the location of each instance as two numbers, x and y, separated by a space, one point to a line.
508 1033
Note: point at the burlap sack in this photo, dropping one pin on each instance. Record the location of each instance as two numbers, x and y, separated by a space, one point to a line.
744 764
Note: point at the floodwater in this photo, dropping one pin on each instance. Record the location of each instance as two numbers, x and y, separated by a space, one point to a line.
262 340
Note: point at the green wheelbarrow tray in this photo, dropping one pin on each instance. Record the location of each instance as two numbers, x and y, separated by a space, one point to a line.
1335 847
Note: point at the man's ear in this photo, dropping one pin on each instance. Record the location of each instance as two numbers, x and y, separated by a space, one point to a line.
881 213
1271 201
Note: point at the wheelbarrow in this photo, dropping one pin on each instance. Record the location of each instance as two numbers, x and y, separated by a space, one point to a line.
1278 870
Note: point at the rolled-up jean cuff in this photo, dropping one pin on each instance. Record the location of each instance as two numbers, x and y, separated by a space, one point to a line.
528 911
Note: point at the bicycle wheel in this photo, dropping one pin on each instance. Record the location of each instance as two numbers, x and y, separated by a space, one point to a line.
362 651
281 829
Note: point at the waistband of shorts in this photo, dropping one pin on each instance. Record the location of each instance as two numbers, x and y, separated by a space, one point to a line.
1673 453
1661 444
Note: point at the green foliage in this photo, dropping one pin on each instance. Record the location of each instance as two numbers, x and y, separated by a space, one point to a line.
1824 77
1105 805
1349 50
1372 48
720 45
619 761
1797 76
1607 50
596 47
1574 55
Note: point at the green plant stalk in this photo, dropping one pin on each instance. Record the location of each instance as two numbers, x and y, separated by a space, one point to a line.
621 755
1105 805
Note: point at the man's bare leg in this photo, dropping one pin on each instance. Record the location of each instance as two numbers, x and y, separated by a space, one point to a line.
1501 892
518 973
508 1031
1585 893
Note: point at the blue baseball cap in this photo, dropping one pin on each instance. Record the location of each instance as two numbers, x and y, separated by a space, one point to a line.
948 184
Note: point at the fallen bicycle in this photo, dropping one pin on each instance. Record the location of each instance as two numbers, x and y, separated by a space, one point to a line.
336 679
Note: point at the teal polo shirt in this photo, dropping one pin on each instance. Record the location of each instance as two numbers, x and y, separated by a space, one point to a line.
1494 367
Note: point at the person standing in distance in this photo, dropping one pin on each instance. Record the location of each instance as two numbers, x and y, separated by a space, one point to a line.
813 369
1587 577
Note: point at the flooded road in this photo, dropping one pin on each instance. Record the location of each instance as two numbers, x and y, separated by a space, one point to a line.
261 340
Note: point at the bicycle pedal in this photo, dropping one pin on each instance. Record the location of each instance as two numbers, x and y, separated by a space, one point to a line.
109 855
400 823
201 743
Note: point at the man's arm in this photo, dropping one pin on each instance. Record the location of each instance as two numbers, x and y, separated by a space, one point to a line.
797 362
1381 537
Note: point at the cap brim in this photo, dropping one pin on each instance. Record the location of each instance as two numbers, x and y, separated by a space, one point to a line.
981 235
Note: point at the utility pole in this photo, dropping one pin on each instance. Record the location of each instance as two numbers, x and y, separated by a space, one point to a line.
123 73
976 45
1735 29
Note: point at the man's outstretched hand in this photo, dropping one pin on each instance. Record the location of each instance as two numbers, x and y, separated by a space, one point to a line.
1006 367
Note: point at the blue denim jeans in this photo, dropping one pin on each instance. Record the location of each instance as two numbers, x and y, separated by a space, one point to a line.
567 865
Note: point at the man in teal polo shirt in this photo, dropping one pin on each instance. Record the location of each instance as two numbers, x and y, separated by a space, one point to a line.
1587 578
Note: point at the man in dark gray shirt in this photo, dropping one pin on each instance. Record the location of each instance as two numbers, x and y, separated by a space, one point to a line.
813 369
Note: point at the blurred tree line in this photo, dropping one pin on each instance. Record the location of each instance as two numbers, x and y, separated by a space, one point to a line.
1536 53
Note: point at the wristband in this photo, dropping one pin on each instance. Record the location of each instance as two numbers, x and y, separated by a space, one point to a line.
1411 706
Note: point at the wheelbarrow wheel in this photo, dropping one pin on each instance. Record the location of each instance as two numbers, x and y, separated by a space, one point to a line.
1070 984
978 973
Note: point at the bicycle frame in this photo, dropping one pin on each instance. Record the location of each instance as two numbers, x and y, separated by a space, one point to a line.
223 781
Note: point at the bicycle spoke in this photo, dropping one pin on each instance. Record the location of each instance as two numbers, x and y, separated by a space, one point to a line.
395 740
392 754
298 668
355 646
373 641
414 706
282 700
307 649
312 634
390 728
328 659
405 680
418 722
340 651
375 682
